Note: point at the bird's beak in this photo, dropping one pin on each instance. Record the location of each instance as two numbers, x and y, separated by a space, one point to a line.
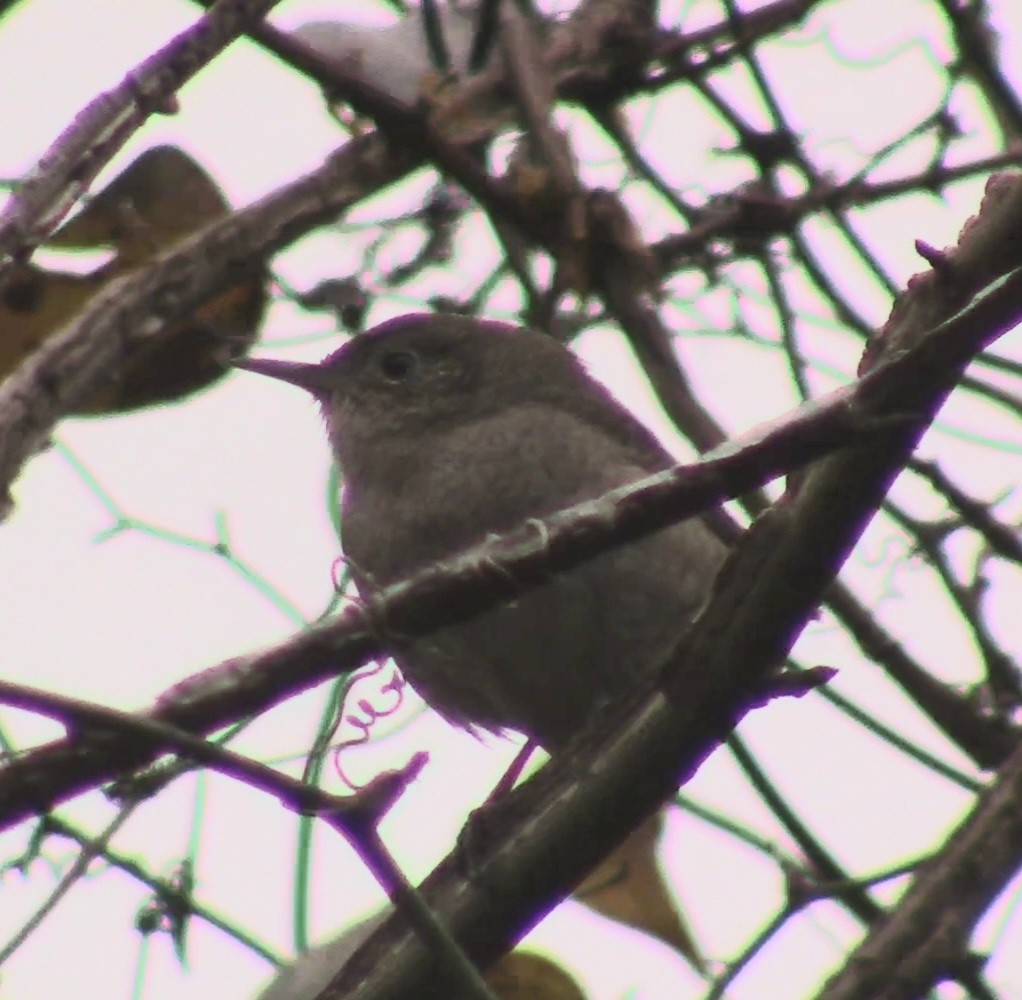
313 378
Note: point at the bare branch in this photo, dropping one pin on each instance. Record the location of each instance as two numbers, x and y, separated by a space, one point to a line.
99 130
467 585
926 939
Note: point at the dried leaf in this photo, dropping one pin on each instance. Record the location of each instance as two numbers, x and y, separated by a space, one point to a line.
160 198
524 975
629 886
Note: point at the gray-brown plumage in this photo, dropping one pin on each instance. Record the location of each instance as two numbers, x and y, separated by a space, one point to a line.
449 429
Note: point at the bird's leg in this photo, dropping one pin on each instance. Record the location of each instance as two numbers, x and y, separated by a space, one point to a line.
474 838
510 777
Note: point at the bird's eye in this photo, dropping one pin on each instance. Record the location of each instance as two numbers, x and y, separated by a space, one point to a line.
396 366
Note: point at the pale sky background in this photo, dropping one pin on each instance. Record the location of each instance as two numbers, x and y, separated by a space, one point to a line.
120 621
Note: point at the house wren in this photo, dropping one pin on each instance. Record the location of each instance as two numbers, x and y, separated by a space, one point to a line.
449 429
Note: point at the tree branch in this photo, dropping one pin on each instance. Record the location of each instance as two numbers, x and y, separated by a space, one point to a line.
547 834
926 939
463 586
100 129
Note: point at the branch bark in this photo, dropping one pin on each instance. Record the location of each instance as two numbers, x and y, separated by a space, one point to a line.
544 837
448 592
101 128
926 938
541 840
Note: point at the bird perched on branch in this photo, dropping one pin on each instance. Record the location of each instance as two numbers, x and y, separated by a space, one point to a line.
448 429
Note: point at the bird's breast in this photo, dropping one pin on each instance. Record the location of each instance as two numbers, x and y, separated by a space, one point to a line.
544 663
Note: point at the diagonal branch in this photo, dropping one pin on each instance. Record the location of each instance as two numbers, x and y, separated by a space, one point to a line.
884 406
77 360
69 366
355 817
101 128
544 837
926 938
459 588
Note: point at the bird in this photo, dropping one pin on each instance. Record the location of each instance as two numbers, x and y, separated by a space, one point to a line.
449 429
